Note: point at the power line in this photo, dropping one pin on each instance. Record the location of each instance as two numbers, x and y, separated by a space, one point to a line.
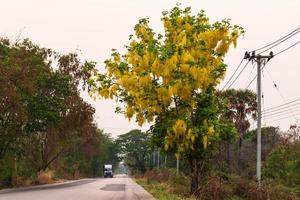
287 48
277 89
239 74
282 108
263 102
283 112
269 109
255 77
253 66
274 56
233 73
277 40
297 114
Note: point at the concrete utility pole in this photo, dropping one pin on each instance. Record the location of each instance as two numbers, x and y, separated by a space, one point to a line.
177 166
153 158
157 159
259 59
258 152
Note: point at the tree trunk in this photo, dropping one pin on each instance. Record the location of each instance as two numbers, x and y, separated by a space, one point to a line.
197 176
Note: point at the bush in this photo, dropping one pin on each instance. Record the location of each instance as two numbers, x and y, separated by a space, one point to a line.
172 183
45 177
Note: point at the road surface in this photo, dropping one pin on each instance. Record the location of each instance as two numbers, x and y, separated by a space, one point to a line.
120 187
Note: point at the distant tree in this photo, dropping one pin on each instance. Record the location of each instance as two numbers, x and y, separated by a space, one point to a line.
91 154
283 164
242 107
134 147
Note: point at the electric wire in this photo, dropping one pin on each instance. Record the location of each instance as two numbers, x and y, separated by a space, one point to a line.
282 108
287 48
239 74
253 66
273 56
283 112
298 28
297 114
233 74
263 100
277 89
255 77
274 107
279 42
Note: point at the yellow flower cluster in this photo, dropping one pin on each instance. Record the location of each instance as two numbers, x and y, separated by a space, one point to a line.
180 134
145 81
158 71
210 133
179 127
164 96
129 82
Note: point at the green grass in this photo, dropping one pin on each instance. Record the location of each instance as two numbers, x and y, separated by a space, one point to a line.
159 190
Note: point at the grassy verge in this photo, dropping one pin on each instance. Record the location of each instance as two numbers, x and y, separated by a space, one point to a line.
167 185
160 190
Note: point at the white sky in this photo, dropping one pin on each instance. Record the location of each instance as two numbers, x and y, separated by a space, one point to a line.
97 26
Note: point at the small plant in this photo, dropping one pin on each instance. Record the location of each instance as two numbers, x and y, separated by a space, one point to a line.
45 177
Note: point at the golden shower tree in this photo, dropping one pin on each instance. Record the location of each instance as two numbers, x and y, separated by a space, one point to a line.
171 78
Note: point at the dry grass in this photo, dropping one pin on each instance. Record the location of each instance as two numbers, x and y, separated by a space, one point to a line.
170 181
45 177
165 184
20 181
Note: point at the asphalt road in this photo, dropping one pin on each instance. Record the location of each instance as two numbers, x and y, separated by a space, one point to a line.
120 187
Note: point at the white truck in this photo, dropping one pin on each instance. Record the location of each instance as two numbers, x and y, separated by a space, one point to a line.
108 171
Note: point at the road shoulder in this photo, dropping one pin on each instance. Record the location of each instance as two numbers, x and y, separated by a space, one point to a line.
49 186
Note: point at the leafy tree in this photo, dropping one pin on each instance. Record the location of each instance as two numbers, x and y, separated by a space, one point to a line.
42 115
172 77
283 164
91 154
242 107
134 147
21 63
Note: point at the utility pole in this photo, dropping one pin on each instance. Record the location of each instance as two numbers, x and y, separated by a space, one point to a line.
157 158
177 165
259 59
154 158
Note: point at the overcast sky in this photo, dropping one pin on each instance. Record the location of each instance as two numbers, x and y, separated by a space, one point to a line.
97 26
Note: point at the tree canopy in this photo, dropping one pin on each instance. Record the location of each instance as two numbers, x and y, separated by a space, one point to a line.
171 77
162 73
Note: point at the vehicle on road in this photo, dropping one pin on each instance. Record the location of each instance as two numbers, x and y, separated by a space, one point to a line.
108 171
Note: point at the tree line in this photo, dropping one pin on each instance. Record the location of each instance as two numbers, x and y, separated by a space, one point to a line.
44 122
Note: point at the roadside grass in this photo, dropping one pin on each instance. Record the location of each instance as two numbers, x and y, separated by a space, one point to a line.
165 184
159 189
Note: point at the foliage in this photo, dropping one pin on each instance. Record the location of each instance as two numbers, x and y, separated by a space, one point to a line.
43 119
134 146
171 78
165 74
165 184
283 164
242 106
88 158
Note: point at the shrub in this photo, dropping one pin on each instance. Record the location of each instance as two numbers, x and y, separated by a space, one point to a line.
45 177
